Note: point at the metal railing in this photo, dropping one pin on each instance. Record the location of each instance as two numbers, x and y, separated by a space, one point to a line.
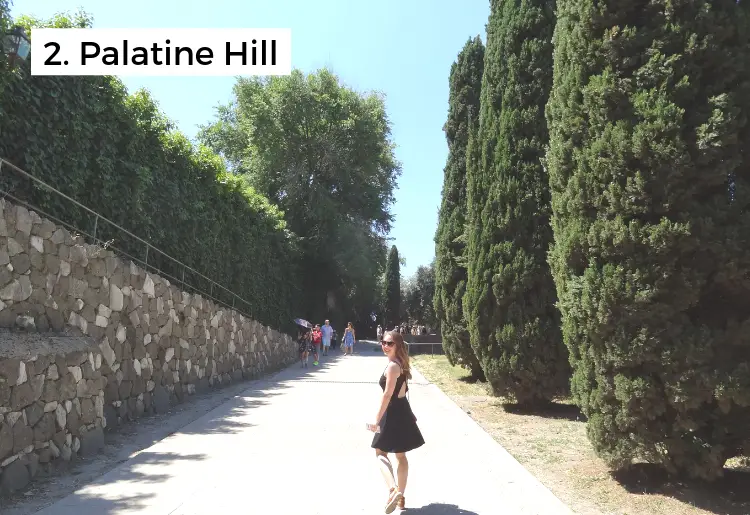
236 301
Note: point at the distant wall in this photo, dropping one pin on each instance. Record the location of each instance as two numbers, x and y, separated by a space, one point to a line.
143 344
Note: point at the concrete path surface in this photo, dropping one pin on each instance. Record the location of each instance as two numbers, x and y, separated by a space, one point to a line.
296 443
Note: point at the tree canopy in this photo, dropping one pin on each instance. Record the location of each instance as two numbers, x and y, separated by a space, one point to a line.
392 290
321 152
418 293
513 320
450 237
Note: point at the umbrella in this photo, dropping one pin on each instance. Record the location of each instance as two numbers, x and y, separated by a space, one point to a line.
303 323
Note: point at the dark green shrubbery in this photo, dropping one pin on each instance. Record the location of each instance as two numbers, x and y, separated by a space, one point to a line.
118 155
510 297
450 240
650 184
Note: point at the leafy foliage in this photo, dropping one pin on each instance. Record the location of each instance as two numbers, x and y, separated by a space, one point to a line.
418 293
650 185
513 321
321 152
450 242
392 290
117 154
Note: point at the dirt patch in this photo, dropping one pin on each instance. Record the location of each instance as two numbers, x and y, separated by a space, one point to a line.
552 445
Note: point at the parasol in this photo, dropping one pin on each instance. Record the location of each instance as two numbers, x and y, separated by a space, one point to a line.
303 323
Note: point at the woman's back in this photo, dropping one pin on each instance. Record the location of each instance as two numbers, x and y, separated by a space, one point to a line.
402 386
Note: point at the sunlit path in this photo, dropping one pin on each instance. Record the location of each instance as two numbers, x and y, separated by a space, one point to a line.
297 444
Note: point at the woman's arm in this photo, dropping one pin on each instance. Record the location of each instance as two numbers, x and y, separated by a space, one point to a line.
391 376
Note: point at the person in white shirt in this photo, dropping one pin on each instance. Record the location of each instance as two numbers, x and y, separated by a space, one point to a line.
380 332
327 331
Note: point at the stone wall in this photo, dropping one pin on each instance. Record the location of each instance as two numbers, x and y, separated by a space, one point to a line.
51 403
127 343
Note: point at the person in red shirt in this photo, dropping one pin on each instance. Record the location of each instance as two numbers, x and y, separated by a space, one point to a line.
317 338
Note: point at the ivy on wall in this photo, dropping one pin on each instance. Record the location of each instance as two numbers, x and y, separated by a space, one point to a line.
117 154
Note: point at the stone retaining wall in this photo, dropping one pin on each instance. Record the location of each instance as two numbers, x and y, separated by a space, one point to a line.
143 344
51 403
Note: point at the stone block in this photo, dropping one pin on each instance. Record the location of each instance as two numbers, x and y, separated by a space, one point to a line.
5 385
6 441
56 320
51 391
116 298
45 428
17 290
21 396
160 399
110 415
88 411
45 455
60 438
21 263
13 371
23 220
14 477
68 388
23 436
37 259
125 389
14 248
33 413
61 417
73 422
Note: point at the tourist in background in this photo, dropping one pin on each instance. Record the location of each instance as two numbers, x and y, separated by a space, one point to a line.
317 338
327 332
395 425
305 346
349 339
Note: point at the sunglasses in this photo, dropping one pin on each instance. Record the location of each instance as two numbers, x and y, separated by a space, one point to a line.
387 344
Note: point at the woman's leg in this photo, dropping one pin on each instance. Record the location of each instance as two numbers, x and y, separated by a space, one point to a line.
402 470
386 469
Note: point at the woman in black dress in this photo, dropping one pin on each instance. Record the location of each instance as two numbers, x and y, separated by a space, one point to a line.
396 429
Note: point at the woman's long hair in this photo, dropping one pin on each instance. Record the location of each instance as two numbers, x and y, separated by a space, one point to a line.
402 353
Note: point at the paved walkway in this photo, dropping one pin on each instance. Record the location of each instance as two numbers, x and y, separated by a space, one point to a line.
297 444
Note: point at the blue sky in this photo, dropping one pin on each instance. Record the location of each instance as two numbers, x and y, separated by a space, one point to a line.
403 48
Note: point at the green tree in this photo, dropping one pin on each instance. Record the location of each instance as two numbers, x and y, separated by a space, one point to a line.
322 153
513 321
418 295
650 184
450 243
392 292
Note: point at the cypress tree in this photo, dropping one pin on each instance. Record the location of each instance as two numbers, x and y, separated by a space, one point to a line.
392 294
450 260
649 175
514 324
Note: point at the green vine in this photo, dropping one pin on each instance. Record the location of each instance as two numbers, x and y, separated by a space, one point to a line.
117 154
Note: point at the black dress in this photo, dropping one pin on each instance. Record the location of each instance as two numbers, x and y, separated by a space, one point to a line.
398 427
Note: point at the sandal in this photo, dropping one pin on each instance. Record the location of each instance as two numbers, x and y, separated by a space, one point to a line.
393 499
402 503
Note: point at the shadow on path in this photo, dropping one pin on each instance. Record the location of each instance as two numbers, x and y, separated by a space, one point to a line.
127 446
107 506
439 509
